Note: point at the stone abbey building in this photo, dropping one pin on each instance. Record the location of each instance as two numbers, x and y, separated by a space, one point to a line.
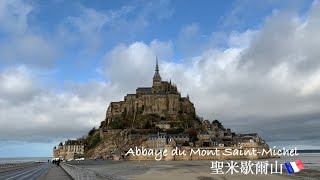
158 117
162 99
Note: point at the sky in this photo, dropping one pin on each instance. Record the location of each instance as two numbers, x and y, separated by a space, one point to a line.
253 65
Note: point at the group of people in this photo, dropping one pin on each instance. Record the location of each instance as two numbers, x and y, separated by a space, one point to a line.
56 162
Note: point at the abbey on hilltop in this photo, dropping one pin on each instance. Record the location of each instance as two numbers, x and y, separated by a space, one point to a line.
158 117
162 99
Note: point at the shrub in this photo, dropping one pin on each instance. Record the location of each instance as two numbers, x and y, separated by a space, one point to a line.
117 123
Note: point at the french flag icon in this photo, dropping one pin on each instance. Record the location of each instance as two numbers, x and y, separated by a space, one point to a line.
294 167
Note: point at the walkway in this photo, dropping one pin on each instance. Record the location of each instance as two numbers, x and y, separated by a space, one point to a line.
57 173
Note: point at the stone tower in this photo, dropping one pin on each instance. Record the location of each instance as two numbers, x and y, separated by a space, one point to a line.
156 86
156 77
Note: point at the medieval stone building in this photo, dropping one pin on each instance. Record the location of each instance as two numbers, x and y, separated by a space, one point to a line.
69 150
159 140
162 99
215 134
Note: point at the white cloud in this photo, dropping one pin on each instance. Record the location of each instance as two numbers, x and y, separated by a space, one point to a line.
93 28
264 78
311 84
241 40
190 40
14 11
88 27
129 66
21 44
34 109
16 84
162 49
251 86
36 113
29 49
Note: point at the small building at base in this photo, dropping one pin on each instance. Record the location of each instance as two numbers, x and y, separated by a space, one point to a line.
70 150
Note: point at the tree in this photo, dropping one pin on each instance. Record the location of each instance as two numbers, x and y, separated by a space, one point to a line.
91 132
193 132
147 125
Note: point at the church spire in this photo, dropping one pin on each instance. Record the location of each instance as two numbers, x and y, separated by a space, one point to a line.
157 66
157 77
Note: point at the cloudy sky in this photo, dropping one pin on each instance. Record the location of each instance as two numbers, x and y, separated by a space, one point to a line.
254 66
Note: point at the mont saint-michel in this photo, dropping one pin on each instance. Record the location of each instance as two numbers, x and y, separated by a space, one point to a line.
159 119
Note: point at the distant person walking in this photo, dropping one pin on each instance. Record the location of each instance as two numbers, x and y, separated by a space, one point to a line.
58 162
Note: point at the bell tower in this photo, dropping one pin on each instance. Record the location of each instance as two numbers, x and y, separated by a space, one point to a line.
156 77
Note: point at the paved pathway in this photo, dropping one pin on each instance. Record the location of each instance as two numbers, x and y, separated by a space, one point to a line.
57 173
30 172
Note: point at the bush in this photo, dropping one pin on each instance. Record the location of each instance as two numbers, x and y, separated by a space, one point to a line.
180 130
93 141
117 123
154 130
91 132
147 125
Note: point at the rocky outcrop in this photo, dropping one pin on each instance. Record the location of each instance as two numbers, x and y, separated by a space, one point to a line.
162 99
142 111
115 140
